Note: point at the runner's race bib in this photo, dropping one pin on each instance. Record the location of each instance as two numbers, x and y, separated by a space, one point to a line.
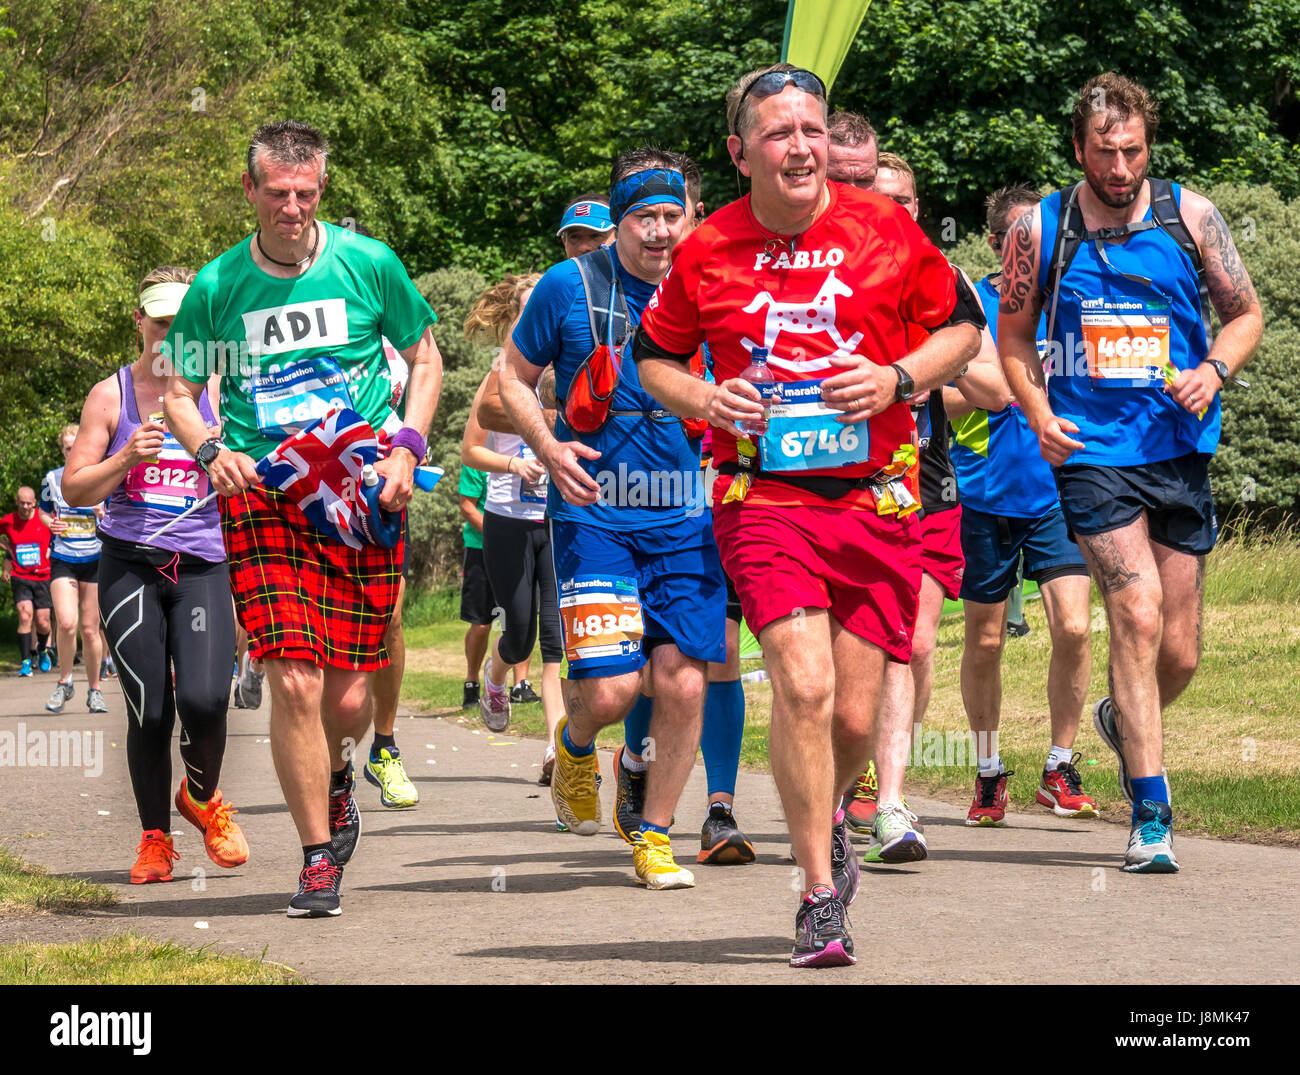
802 433
294 397
29 555
601 616
1126 341
172 481
81 524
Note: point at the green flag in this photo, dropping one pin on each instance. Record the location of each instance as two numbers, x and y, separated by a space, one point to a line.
819 33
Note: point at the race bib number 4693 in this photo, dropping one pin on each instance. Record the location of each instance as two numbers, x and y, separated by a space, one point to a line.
601 616
1127 342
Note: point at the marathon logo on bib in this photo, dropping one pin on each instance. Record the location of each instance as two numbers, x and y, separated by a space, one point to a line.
601 616
29 555
803 434
297 327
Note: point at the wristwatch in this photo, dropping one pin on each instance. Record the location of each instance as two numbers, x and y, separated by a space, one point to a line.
208 451
1221 368
906 386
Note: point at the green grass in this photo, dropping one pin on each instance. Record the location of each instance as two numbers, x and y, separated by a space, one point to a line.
1232 741
131 959
24 887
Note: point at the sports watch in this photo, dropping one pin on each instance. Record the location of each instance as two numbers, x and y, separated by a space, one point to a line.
906 386
1221 368
208 451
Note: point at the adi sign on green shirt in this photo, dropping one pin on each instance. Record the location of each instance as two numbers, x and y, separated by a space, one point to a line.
290 348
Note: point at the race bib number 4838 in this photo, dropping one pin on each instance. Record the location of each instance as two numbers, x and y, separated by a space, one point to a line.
601 616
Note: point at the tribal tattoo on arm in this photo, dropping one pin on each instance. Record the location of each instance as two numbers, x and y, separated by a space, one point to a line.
1019 266
1229 284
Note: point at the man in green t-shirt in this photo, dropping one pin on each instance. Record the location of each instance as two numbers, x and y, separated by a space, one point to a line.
291 320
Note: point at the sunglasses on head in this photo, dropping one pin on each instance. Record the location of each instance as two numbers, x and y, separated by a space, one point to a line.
775 81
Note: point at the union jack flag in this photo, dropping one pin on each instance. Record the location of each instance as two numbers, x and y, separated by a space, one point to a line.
319 468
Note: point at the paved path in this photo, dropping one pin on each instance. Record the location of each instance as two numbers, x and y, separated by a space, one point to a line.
1041 899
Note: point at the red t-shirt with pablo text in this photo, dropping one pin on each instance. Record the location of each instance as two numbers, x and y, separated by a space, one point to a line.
849 285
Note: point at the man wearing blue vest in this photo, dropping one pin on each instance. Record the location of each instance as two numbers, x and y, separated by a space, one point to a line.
1011 513
637 567
1129 414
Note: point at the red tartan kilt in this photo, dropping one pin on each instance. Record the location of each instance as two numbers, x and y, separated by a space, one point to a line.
302 596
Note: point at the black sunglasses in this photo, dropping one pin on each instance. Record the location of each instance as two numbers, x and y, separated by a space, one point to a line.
775 81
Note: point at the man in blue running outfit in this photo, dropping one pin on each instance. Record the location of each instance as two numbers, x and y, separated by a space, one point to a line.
638 571
1129 414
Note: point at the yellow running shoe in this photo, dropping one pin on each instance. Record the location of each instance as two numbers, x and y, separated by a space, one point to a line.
652 854
389 775
574 791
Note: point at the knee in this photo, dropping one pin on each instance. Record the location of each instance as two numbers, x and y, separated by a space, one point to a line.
1180 660
1072 631
985 646
1136 616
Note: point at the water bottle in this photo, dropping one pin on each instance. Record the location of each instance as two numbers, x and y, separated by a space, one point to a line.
761 377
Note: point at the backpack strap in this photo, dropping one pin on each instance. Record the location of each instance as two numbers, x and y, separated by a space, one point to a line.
1069 235
609 322
1168 216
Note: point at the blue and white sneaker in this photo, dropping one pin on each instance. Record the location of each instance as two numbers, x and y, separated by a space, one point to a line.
1151 843
895 836
46 662
26 669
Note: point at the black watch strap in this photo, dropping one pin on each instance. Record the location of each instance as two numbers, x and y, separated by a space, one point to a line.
208 451
906 386
1221 368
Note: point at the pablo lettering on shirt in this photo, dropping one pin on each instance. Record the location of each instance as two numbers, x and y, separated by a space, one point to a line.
800 259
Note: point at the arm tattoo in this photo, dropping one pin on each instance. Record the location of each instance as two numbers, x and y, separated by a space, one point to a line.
1109 568
1019 266
1229 284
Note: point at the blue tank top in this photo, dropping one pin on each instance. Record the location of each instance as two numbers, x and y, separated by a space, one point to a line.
1114 341
1000 470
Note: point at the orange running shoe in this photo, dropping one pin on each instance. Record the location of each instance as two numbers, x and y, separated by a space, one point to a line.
154 858
223 839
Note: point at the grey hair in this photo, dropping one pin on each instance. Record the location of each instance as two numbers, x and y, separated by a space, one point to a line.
287 142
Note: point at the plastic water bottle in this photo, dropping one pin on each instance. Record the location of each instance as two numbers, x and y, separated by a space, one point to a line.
761 377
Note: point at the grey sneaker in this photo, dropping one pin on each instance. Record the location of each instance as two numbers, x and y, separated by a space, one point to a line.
94 700
62 693
1103 719
250 687
896 837
1151 842
494 703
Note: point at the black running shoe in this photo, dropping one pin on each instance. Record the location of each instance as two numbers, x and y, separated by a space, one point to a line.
845 872
629 797
318 887
721 841
345 820
470 696
1017 630
821 931
522 693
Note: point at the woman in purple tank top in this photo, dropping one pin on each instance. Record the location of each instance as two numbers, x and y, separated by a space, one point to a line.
164 598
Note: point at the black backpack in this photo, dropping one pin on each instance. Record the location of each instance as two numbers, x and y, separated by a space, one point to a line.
1070 234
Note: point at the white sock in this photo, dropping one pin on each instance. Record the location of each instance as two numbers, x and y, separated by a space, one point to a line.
990 766
1058 756
638 766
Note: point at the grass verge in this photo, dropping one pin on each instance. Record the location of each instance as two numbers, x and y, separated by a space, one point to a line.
130 959
24 887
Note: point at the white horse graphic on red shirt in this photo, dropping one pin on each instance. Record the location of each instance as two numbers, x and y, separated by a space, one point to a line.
804 318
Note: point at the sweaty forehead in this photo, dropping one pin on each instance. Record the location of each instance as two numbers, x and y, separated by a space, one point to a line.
894 184
1121 134
290 176
789 107
856 162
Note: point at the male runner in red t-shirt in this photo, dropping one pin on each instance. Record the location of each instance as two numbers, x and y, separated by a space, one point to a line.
25 542
812 530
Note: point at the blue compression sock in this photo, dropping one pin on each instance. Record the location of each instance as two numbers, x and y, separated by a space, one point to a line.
636 725
576 751
1154 788
724 726
647 827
